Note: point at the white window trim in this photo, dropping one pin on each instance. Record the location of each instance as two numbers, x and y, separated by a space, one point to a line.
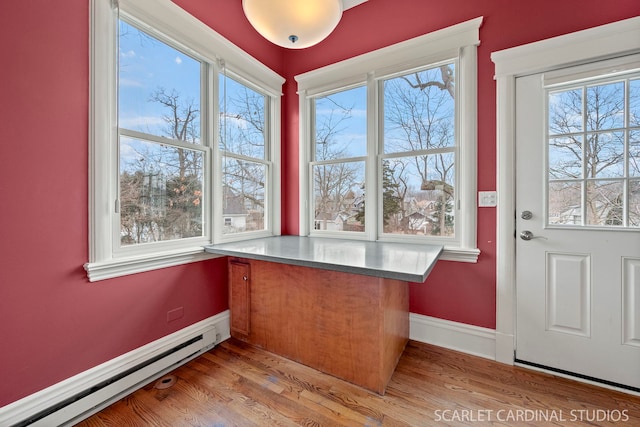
458 41
182 27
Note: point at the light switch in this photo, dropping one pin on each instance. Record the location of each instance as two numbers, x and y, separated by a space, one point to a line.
487 199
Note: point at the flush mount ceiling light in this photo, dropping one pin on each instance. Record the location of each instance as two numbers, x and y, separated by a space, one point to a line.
294 24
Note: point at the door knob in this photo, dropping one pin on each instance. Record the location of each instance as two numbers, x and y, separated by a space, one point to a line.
527 235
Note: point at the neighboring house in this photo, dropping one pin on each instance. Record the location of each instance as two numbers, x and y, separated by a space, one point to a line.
328 221
234 211
605 213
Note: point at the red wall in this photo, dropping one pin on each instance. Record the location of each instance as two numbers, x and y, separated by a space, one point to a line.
53 322
454 291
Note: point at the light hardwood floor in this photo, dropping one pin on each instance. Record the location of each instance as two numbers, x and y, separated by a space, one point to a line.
236 384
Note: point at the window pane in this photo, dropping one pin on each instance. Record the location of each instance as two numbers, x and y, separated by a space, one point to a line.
243 195
419 110
604 154
160 192
605 106
604 203
242 119
565 203
634 203
565 112
341 125
338 191
159 87
418 195
634 102
565 157
634 153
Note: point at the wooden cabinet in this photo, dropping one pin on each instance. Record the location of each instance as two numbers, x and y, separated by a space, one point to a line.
351 326
240 297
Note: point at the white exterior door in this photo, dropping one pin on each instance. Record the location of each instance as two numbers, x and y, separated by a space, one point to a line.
578 221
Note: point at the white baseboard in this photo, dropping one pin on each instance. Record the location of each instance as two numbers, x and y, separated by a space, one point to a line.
19 412
468 339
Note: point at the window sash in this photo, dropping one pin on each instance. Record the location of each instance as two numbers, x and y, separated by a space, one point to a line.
242 198
121 249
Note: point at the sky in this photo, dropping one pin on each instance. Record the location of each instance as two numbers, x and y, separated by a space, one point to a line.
147 65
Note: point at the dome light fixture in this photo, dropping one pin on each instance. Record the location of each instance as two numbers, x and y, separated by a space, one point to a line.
294 24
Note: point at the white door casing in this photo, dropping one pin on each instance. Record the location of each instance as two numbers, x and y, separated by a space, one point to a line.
601 42
574 280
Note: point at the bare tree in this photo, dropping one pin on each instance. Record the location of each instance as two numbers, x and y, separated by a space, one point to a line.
182 124
335 181
420 115
161 195
586 143
242 139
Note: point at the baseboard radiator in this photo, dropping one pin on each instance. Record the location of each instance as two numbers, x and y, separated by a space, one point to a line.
74 408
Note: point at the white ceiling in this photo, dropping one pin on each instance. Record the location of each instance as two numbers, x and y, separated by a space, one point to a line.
348 4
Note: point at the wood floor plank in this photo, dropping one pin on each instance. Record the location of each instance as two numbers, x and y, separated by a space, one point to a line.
236 384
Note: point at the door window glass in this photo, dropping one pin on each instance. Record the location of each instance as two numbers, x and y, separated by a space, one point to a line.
593 153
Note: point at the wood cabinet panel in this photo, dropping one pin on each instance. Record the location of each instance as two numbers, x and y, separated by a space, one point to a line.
240 297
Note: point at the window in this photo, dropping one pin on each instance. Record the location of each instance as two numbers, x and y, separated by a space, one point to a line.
390 147
593 152
246 165
419 152
169 170
162 155
338 166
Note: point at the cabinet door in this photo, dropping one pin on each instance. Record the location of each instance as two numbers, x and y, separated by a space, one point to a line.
239 296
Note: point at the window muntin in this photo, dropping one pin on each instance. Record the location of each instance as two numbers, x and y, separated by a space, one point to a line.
419 181
246 166
592 153
161 156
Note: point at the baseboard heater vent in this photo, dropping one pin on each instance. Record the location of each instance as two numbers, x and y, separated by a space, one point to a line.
91 400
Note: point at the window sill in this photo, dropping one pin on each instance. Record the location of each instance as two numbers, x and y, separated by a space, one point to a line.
102 270
460 254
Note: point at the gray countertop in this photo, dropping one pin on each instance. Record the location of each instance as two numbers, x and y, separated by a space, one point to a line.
401 261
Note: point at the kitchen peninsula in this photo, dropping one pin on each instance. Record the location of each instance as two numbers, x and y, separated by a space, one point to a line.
340 306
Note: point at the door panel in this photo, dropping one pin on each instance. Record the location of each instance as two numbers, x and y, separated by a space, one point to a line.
578 267
568 293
